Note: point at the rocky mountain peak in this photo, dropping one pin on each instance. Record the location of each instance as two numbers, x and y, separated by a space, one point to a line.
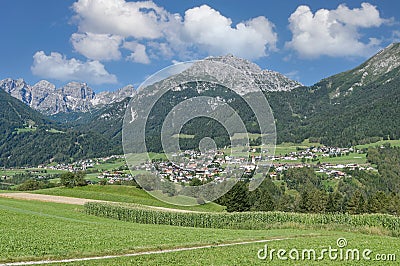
17 88
40 91
44 84
380 69
72 97
239 63
78 90
268 80
384 61
79 97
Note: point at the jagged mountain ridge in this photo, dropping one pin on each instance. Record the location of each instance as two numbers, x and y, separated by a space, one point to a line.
347 108
364 114
379 69
79 97
72 97
267 80
29 138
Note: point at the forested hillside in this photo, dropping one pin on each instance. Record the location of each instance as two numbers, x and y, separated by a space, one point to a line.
29 138
302 190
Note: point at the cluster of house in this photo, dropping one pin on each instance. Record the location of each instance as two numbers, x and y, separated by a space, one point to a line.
191 164
115 176
39 174
313 153
81 165
214 165
332 170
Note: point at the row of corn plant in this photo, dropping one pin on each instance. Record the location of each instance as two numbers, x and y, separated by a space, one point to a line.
240 220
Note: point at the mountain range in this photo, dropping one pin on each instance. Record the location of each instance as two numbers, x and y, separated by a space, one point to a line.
357 106
30 138
72 97
79 97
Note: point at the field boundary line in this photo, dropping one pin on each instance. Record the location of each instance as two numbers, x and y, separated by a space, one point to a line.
151 252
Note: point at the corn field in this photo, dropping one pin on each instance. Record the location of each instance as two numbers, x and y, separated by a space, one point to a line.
240 220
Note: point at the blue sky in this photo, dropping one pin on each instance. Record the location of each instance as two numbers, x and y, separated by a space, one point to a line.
112 43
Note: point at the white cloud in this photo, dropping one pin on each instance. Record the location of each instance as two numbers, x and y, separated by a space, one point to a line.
57 66
138 54
128 19
97 46
161 49
366 16
333 32
211 31
202 30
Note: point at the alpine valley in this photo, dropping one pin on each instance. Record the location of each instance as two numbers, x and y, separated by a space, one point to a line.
41 123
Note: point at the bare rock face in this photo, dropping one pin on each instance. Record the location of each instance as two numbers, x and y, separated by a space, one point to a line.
18 89
79 97
107 97
72 97
40 91
267 80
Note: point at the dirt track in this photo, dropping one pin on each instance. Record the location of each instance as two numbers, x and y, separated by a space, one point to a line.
48 198
70 200
144 252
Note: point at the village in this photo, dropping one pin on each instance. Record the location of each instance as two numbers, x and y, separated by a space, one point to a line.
215 165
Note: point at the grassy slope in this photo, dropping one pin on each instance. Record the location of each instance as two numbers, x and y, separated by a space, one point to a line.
37 230
379 143
33 230
126 194
247 254
11 172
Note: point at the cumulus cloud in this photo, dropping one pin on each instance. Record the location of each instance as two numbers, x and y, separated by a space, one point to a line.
97 46
366 16
160 49
214 33
102 25
138 54
333 32
134 19
57 66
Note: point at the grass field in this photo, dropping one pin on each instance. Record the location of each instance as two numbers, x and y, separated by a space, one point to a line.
37 230
379 143
25 129
11 172
114 164
33 230
247 254
52 130
286 147
126 194
345 159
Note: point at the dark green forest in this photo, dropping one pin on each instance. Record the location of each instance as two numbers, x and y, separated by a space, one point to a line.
301 190
29 138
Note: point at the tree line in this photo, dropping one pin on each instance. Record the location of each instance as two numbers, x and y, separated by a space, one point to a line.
301 190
